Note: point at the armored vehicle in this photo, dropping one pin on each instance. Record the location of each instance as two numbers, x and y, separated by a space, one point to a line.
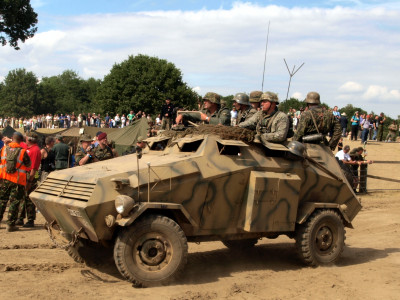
199 187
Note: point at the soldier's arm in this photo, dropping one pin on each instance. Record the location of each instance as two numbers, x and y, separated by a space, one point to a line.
337 133
193 116
250 123
282 127
298 136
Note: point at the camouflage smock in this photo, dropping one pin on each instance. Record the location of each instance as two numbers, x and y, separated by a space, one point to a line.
221 116
103 154
81 153
271 127
325 121
247 114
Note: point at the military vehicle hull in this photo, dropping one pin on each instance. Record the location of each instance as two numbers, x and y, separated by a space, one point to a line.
200 188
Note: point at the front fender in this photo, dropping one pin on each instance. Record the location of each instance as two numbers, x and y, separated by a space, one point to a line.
142 207
308 208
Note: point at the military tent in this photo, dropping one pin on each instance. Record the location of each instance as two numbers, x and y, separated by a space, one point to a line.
127 136
8 131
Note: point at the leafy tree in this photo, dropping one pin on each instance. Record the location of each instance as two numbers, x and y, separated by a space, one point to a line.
67 93
291 103
143 83
228 101
17 21
19 94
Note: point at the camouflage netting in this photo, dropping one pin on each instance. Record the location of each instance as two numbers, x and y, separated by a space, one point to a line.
224 132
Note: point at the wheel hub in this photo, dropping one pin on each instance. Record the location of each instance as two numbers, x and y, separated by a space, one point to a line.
152 252
324 238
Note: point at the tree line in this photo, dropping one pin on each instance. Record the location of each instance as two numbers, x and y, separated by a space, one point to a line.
138 83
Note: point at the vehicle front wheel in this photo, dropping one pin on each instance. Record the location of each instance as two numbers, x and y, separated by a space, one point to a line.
152 251
321 239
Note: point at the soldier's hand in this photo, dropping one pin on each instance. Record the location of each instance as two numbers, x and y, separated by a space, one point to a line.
178 119
203 117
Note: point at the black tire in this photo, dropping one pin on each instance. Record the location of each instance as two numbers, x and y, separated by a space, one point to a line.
152 251
240 245
321 239
84 252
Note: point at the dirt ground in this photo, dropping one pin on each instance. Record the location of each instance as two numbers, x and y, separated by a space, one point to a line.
32 268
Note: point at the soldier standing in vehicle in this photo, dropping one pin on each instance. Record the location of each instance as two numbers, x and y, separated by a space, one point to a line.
255 99
13 171
212 112
102 150
85 154
316 122
271 125
244 108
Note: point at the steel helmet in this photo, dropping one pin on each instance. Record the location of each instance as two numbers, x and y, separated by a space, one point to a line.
313 98
255 96
212 97
269 96
241 98
296 148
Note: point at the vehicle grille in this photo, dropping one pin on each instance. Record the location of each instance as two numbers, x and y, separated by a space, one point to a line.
66 189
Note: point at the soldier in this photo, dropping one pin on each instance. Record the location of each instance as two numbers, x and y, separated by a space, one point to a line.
61 152
167 114
255 99
13 171
212 112
102 151
271 125
26 205
242 105
85 154
391 136
316 123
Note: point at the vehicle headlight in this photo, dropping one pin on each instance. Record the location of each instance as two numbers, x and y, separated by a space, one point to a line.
124 204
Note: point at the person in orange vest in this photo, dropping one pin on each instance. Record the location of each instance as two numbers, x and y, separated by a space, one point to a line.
14 166
26 205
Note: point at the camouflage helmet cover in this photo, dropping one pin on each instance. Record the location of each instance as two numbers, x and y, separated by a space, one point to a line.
255 96
313 98
269 96
212 97
85 138
241 98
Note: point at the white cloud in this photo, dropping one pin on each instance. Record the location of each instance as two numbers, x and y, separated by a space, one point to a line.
298 96
222 50
351 87
376 92
197 89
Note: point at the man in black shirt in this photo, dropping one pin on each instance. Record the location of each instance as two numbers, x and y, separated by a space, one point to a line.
167 115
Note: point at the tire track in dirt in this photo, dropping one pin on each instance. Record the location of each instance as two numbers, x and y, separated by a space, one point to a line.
45 267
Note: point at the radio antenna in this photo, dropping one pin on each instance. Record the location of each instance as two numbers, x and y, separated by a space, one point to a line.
291 74
265 57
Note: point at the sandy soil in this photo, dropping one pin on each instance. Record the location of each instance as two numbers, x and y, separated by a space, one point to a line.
32 268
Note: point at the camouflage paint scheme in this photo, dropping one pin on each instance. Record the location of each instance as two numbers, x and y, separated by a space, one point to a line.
214 189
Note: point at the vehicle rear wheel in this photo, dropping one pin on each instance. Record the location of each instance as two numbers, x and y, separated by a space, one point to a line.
240 245
321 239
152 251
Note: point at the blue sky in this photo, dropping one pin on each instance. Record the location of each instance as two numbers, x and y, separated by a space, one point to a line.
350 48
